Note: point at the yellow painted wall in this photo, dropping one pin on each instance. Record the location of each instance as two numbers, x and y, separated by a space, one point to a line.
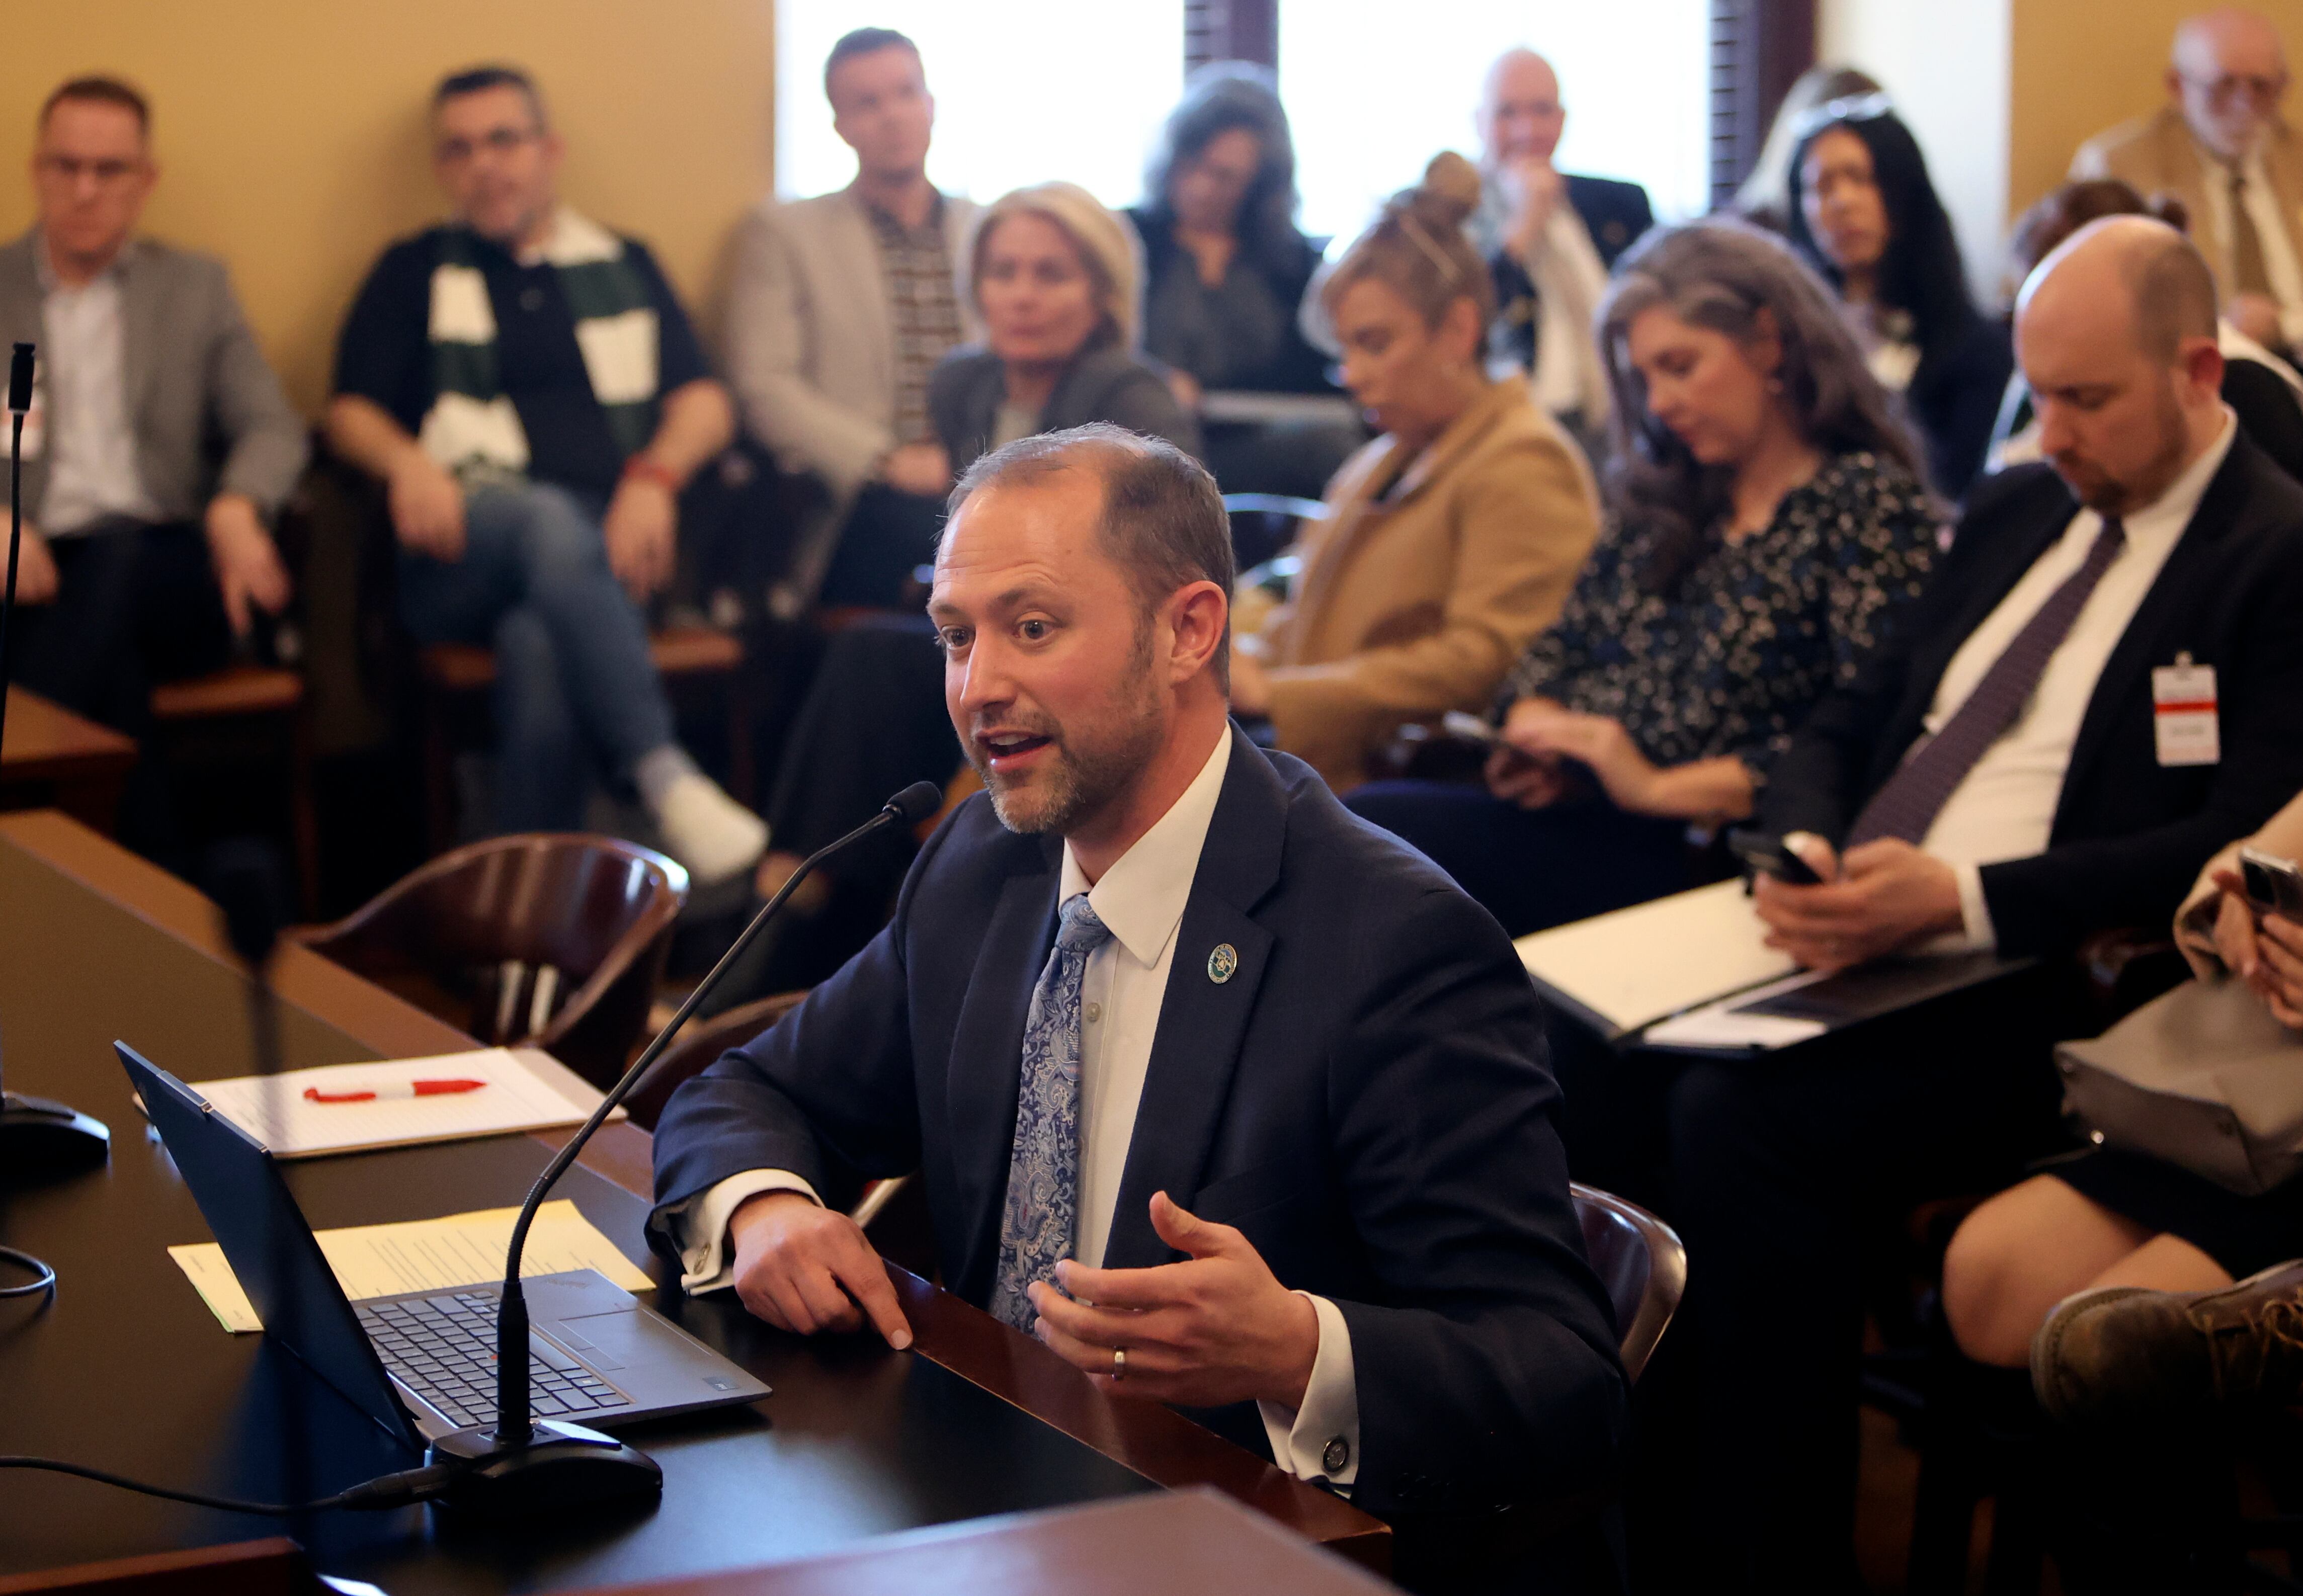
291 142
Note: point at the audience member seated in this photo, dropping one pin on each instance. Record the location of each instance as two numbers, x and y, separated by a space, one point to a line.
1056 278
1764 200
1225 272
839 308
2220 146
1864 214
1549 237
145 551
1765 521
1386 1295
1989 780
525 386
1452 539
2114 1219
2263 390
1058 282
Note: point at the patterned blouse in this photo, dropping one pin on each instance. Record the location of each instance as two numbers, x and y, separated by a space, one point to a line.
1758 631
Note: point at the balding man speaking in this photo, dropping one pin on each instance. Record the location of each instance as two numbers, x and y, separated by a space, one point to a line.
2220 146
1234 1100
2102 686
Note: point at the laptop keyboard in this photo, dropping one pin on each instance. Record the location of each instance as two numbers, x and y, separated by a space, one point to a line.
443 1348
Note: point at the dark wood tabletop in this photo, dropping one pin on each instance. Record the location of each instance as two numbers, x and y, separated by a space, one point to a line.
127 1370
51 756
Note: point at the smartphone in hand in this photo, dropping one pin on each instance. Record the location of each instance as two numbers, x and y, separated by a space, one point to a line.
2274 886
1767 856
1456 724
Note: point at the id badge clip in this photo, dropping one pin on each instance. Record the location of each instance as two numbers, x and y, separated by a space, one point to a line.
2183 723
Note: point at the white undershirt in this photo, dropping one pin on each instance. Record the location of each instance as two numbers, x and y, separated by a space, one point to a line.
1141 900
2006 807
90 439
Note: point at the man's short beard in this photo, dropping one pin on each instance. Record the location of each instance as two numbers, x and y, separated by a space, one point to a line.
1080 781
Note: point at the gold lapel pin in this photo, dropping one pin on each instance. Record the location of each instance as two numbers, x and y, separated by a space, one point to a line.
1222 963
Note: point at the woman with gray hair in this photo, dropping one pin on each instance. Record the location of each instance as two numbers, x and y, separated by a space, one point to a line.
1766 518
1058 281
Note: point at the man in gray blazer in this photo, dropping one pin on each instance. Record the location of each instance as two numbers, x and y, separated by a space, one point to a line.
159 445
840 306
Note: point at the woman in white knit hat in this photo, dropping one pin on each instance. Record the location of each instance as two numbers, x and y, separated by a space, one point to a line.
1058 281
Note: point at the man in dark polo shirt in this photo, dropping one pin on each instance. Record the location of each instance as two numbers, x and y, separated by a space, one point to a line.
527 387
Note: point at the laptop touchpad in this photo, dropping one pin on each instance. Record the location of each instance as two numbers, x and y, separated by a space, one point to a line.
606 1340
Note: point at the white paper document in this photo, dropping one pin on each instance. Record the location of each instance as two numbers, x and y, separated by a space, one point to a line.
463 1249
523 1090
1638 965
1724 1024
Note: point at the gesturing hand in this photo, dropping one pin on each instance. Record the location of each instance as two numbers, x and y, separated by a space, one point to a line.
806 1269
1218 1329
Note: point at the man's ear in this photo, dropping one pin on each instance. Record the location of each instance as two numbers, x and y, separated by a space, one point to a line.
2201 362
1197 615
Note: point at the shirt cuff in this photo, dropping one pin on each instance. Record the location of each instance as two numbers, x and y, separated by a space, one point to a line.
699 1226
1974 910
1321 1440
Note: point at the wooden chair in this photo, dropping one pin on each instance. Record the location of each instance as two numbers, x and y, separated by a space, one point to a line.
455 679
554 941
1643 1264
260 699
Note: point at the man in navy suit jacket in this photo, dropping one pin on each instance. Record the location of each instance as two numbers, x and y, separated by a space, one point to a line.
1550 238
1313 1189
2085 812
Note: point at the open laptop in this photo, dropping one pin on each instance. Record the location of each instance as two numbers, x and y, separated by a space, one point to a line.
425 1361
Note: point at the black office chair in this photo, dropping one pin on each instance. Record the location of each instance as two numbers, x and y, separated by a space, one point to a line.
1263 525
1640 1261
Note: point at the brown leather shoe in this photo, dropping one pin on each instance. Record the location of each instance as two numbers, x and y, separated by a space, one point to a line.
2122 1355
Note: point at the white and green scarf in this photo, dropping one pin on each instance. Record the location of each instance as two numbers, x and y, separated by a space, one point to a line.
471 428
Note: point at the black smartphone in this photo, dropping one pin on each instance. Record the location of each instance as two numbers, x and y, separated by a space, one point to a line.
2274 886
1767 856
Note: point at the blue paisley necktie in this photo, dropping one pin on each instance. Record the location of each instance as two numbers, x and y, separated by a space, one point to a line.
1040 1222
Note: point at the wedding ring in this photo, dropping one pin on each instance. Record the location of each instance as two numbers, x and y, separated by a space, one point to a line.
1120 1363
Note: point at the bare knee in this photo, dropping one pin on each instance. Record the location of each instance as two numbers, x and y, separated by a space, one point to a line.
1990 1315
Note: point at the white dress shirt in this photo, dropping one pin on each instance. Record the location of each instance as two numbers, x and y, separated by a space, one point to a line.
86 430
2280 264
1141 900
1570 279
2006 807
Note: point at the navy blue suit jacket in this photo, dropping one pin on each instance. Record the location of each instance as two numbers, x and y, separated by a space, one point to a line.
1615 214
1366 1098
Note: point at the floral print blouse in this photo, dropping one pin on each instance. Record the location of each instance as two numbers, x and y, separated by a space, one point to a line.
1757 631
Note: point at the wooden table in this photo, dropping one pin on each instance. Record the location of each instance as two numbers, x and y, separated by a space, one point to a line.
127 1370
54 757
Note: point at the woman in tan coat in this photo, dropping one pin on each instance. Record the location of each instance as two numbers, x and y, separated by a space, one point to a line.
1451 540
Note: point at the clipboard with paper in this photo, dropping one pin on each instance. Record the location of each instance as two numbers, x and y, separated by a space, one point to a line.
1692 971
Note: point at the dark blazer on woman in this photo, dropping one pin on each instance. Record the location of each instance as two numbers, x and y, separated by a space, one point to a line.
2130 834
1286 269
1364 1095
1106 384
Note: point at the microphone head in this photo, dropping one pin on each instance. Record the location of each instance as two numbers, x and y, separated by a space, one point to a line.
245 878
19 379
916 802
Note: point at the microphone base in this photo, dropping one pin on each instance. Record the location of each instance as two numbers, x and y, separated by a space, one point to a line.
559 1466
40 1139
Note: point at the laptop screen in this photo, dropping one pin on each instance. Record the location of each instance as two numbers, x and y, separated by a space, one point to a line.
268 1242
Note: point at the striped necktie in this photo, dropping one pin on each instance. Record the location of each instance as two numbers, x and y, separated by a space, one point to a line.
1908 802
1039 1226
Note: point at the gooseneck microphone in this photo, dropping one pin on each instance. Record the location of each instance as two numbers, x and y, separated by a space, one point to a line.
520 1465
37 1138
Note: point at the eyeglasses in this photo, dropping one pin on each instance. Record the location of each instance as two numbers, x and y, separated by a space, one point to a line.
2229 90
497 141
70 169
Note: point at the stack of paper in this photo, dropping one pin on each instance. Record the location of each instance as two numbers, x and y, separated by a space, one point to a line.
464 1249
522 1089
1624 970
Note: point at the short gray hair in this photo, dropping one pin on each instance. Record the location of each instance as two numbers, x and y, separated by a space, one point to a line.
1164 521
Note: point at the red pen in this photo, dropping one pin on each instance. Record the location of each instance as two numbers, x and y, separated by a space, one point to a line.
401 1090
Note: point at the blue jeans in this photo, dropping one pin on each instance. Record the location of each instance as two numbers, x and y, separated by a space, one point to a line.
575 688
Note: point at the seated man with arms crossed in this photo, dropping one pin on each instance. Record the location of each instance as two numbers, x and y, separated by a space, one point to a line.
1166 1031
159 443
529 392
1991 779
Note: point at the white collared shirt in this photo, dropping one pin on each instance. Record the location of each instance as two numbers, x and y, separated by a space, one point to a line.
1141 900
2280 264
86 429
1570 281
2006 807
